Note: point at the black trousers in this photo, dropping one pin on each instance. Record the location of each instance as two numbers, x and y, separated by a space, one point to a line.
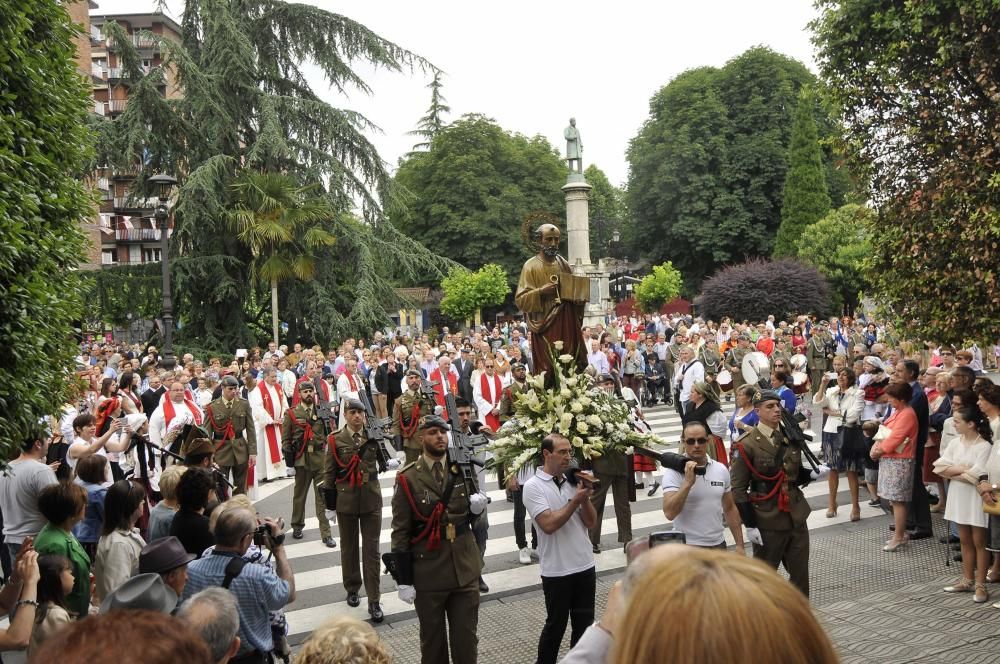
519 515
918 516
567 598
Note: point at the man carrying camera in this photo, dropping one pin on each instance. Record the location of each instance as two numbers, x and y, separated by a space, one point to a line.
352 472
563 511
303 444
258 589
698 500
765 471
434 556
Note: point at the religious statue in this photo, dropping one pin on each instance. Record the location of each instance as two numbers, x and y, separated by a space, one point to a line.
552 299
574 146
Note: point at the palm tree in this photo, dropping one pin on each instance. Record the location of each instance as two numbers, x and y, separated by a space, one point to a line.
283 224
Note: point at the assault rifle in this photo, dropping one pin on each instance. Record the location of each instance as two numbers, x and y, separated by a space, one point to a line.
376 433
325 410
463 452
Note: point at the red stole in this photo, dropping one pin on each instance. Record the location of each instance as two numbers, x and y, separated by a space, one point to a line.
169 412
351 382
491 394
271 430
439 388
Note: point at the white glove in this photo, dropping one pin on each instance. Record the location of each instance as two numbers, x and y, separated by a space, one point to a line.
477 503
392 464
753 536
438 410
331 515
819 472
407 594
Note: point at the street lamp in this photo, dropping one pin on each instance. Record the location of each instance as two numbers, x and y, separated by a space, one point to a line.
164 184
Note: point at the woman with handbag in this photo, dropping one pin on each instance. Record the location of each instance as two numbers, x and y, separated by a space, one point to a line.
939 407
964 462
843 442
895 448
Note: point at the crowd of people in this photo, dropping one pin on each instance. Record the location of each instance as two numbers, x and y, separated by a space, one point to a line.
133 504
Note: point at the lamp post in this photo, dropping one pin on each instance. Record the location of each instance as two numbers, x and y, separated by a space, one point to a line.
164 183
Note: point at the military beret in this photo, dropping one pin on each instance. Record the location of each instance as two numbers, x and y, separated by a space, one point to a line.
197 447
516 366
230 381
429 421
353 404
327 371
414 372
760 396
306 385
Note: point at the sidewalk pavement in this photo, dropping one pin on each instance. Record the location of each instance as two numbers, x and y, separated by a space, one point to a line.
877 607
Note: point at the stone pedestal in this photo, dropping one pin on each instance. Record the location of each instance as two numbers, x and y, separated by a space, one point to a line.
576 190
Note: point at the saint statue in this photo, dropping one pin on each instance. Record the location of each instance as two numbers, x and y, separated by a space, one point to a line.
552 299
574 146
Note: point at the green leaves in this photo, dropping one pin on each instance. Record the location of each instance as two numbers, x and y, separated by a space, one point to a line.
658 288
466 292
44 146
837 246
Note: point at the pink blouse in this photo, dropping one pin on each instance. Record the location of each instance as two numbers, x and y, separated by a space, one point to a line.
904 425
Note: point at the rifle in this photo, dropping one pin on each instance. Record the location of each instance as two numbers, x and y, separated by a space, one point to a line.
325 410
376 434
789 425
463 452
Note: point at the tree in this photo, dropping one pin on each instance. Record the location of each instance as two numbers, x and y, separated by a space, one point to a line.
467 292
246 105
917 85
284 225
708 166
433 121
607 212
758 287
471 191
837 246
804 199
44 144
658 288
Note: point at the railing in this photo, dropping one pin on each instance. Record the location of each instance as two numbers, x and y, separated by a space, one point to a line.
116 105
140 41
102 184
138 235
128 203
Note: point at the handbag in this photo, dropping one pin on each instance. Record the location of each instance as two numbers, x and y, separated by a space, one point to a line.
852 442
994 509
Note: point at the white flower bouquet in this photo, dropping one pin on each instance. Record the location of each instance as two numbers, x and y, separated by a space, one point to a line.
591 419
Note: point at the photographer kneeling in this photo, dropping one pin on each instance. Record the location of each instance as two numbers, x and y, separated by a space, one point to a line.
257 589
698 499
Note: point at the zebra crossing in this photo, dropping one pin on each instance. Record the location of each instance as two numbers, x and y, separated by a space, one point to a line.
318 577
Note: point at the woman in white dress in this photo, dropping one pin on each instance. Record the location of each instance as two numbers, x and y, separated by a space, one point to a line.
963 463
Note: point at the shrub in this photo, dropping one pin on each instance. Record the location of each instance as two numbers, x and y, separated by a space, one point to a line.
759 287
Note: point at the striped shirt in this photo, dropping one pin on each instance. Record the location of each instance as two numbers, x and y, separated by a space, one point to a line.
258 590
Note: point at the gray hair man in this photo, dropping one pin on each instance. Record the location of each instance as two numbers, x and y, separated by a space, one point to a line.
212 613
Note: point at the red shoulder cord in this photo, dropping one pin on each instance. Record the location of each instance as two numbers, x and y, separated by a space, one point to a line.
408 431
228 433
778 478
307 433
432 524
353 467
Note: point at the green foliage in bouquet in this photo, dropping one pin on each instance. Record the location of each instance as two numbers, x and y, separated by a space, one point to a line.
593 420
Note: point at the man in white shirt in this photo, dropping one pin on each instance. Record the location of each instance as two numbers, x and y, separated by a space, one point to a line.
268 405
597 359
686 375
564 514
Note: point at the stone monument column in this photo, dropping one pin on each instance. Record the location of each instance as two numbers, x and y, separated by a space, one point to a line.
578 221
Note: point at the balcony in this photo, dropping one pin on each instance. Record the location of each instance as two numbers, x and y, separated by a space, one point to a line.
143 41
138 235
116 105
129 203
102 184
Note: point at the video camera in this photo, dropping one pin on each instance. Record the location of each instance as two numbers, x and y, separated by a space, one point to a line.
574 477
262 533
671 460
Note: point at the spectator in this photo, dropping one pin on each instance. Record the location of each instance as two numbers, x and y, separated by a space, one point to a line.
940 409
842 405
20 486
162 515
90 474
55 582
190 525
87 442
683 589
166 557
343 640
563 511
63 505
212 613
21 593
120 544
964 462
257 589
125 637
699 508
895 452
744 415
688 372
705 408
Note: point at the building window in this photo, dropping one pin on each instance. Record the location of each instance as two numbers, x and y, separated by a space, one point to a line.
151 255
108 257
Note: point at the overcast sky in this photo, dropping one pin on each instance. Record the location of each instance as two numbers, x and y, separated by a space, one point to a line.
532 65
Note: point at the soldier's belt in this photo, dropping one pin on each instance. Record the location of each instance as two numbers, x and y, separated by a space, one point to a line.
450 531
222 436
